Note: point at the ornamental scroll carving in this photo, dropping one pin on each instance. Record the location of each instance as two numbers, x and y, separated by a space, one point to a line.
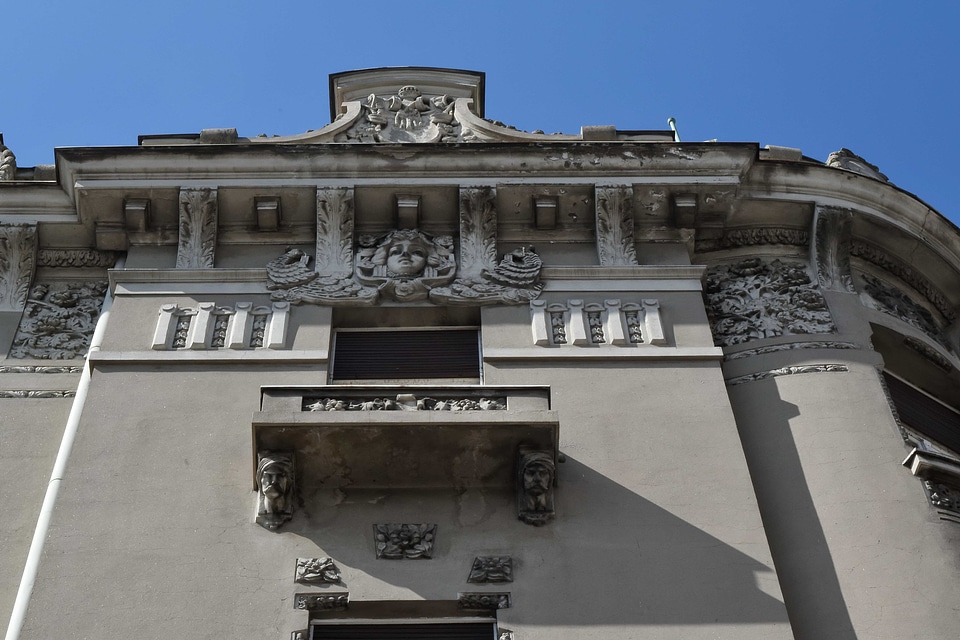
883 297
58 320
615 243
198 228
18 258
408 116
753 299
832 248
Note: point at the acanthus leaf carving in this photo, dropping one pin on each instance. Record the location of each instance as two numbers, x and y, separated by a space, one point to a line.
478 231
335 220
832 227
198 228
753 299
615 242
18 257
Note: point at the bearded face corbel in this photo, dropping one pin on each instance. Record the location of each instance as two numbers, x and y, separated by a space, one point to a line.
536 473
275 488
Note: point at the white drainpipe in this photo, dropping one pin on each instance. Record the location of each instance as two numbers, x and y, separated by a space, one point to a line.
20 605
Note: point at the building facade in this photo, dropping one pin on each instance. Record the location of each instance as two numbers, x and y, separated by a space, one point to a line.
420 374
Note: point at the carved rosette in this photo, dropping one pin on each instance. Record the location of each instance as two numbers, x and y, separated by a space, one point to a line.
198 228
335 231
753 299
491 569
58 320
404 541
615 243
18 258
832 248
408 116
317 571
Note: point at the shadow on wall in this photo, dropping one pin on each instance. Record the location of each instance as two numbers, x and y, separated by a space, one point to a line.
610 558
808 577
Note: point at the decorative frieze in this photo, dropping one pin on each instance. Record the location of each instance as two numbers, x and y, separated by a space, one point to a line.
321 601
734 238
929 353
209 326
37 393
76 258
753 299
405 402
39 369
774 348
404 541
18 258
594 324
317 571
832 248
276 488
198 228
882 296
907 274
491 569
536 476
786 371
484 600
58 320
615 242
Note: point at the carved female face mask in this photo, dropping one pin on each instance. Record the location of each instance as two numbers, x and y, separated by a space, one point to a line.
406 258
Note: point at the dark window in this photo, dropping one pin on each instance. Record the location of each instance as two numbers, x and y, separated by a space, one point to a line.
380 355
417 631
923 414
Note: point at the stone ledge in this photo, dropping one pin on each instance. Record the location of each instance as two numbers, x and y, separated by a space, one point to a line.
604 353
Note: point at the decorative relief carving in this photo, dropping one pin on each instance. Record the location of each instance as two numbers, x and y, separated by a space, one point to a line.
208 326
478 232
198 228
536 476
411 541
405 402
37 393
883 297
846 159
786 371
18 253
515 280
491 569
734 238
317 571
483 600
942 496
409 116
69 258
334 232
8 164
832 248
321 601
58 320
885 261
753 299
405 264
928 352
276 488
790 346
40 369
615 243
595 324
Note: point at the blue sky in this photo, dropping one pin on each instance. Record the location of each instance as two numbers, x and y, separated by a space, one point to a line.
878 77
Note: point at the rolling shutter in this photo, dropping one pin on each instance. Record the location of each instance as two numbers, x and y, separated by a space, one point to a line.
379 355
925 415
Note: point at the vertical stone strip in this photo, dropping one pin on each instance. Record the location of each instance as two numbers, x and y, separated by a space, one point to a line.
577 333
831 248
200 327
277 329
615 244
166 325
478 231
335 231
18 261
240 326
652 324
198 228
613 328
